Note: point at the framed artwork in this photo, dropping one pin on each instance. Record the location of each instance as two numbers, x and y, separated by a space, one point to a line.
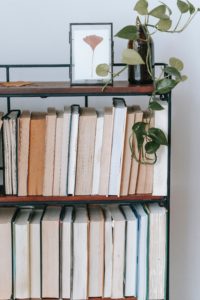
91 44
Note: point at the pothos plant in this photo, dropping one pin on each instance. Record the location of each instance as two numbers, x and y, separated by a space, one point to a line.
146 140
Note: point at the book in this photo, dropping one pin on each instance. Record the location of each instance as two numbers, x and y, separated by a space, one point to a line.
134 163
85 156
7 157
118 252
80 254
157 251
6 217
119 125
161 167
23 153
49 152
106 151
36 153
97 153
65 150
96 252
66 252
131 254
21 240
73 149
35 254
50 252
142 265
58 153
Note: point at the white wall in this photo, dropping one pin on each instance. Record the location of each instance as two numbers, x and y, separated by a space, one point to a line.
36 31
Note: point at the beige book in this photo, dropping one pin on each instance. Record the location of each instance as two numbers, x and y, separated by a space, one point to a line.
85 156
21 240
106 151
6 216
35 254
96 251
50 252
80 254
134 163
49 152
23 152
127 156
36 153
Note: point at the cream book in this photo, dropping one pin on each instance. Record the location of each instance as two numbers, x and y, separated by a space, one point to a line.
50 252
23 153
58 153
7 157
119 125
85 156
96 252
6 217
66 252
21 253
106 151
80 254
49 152
35 254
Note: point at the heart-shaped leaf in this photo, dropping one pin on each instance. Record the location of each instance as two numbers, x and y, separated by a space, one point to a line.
165 85
129 32
154 105
167 7
183 6
184 77
164 24
151 147
141 7
102 70
176 63
139 127
172 72
131 57
158 11
191 7
157 136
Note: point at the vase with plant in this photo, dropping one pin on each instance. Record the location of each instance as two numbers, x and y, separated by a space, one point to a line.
151 20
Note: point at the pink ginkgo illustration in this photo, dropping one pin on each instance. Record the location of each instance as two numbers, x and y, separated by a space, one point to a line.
93 41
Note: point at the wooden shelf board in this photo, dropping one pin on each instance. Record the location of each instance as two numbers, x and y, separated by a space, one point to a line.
125 298
63 88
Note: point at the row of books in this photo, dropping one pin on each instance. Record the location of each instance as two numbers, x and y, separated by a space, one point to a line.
106 251
80 152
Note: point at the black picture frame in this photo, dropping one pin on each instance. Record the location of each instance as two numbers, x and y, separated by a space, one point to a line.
90 44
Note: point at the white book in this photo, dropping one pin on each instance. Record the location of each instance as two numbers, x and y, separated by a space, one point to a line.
97 153
73 149
66 252
7 157
58 152
35 254
131 252
157 251
65 150
108 254
50 252
6 216
118 252
96 252
161 166
80 254
49 152
119 125
142 272
21 254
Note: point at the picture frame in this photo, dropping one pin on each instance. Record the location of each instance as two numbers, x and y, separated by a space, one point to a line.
91 44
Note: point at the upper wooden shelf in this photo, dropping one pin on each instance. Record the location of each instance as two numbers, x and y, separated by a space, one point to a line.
49 89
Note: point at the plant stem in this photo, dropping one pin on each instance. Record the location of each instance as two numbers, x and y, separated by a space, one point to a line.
114 75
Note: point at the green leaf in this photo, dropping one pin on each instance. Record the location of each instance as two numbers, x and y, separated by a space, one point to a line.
167 7
141 7
151 147
129 32
157 136
182 6
176 63
155 106
139 127
165 85
173 72
164 24
158 11
102 70
184 77
132 57
191 7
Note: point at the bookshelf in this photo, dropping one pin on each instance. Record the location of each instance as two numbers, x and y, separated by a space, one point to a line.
61 89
